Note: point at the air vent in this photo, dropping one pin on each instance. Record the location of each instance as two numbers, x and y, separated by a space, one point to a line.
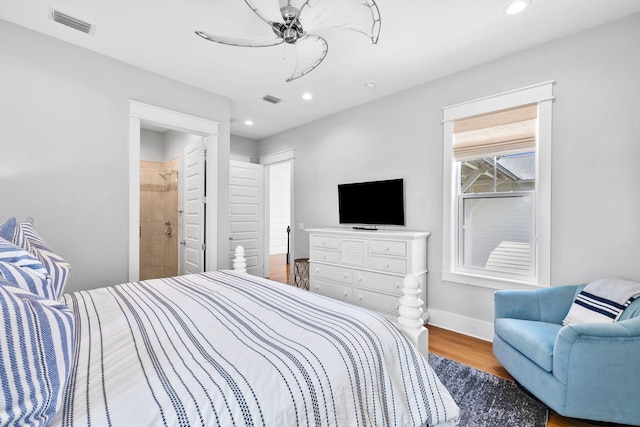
70 21
271 99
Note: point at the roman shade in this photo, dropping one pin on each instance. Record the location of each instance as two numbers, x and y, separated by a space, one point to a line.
496 134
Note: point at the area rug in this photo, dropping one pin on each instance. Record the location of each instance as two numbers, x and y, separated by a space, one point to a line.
486 400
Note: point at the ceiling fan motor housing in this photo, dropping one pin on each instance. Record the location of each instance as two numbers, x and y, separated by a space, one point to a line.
289 13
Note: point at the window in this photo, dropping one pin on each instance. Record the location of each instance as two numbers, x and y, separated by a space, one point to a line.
497 189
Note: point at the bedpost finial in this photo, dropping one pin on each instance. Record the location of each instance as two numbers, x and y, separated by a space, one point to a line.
239 261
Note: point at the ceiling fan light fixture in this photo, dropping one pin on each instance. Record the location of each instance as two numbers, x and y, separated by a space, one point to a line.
307 96
311 48
248 122
517 6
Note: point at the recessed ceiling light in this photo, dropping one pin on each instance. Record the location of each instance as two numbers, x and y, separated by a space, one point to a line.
517 6
248 122
307 96
370 85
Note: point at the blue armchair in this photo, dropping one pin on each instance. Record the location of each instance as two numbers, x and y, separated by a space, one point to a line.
587 370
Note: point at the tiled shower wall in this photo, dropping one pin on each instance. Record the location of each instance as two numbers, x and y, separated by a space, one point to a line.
158 206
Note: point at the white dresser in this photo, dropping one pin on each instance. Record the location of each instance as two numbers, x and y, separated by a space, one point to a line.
365 267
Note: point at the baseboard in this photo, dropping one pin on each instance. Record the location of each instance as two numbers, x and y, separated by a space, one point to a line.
461 324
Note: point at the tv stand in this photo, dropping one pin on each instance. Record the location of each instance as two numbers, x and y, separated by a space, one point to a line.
365 228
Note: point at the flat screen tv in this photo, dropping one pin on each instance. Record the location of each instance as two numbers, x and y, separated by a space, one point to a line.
372 203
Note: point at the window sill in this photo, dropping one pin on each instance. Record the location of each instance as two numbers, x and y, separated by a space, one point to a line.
490 282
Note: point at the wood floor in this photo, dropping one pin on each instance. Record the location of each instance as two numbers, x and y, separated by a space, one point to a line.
461 348
278 268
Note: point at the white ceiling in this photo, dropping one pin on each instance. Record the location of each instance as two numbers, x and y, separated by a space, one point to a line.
420 40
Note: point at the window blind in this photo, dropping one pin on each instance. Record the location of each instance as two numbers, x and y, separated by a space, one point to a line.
496 134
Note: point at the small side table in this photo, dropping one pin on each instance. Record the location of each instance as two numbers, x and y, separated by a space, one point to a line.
301 273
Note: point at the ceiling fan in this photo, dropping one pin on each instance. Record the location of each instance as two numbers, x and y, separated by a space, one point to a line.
285 17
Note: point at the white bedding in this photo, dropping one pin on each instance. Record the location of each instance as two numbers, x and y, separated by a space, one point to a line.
224 348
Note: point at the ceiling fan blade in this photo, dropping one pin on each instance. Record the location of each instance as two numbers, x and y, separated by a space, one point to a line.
311 51
267 10
240 42
362 16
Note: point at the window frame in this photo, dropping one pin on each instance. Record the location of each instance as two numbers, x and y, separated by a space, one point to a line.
542 94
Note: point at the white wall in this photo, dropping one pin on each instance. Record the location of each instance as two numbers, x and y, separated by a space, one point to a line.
64 132
596 158
152 145
245 147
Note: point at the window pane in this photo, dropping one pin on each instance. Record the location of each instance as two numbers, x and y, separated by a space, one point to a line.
515 172
496 233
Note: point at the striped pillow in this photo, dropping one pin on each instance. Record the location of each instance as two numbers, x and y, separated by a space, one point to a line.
22 269
28 279
8 228
58 268
36 348
20 239
13 254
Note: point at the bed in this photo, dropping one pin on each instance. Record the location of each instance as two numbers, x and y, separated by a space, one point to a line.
219 348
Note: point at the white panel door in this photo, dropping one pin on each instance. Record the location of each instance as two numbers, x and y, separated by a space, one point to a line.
246 213
193 243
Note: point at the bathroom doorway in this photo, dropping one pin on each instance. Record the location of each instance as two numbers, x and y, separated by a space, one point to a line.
161 201
146 116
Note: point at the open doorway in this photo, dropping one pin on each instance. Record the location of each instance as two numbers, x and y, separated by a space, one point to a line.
279 179
146 116
163 238
279 198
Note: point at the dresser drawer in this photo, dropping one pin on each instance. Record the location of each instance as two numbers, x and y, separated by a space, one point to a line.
387 303
395 265
389 247
330 289
320 241
324 255
378 282
331 272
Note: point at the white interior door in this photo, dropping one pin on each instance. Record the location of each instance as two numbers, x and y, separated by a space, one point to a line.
246 213
194 203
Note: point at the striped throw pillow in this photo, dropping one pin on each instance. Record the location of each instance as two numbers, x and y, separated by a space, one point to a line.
57 267
36 349
13 254
8 228
28 279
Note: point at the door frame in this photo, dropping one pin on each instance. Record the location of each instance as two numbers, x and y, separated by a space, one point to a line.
266 160
144 113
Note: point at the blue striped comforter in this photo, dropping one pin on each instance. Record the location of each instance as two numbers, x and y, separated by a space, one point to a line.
229 349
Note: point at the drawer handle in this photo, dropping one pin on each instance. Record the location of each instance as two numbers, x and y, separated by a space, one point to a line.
324 257
386 266
324 243
359 279
396 285
317 287
386 248
345 293
359 297
397 306
345 276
